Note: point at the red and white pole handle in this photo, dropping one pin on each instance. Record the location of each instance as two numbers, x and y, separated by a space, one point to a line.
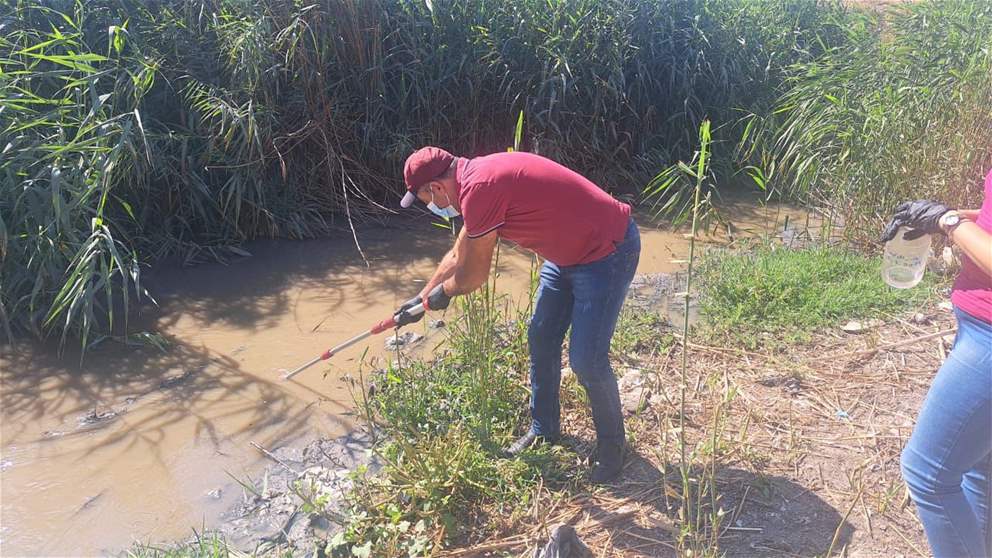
376 329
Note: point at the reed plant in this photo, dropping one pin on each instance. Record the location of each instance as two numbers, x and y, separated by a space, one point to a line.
899 111
135 131
699 512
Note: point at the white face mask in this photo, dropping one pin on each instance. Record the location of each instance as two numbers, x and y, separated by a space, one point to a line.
448 212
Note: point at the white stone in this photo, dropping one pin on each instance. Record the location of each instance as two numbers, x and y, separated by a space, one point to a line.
635 391
853 326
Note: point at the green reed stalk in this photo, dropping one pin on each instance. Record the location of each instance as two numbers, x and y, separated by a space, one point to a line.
699 173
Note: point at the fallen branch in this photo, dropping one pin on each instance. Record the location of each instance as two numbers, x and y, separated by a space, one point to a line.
510 542
271 456
840 526
888 346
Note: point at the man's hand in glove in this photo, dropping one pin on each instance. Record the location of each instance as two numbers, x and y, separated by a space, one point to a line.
403 316
437 299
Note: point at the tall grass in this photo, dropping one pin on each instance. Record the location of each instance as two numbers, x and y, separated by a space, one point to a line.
134 131
693 176
899 111
72 136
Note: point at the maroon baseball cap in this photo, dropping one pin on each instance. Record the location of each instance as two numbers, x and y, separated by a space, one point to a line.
424 165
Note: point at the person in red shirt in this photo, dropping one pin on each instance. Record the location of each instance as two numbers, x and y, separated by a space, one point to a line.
591 247
947 463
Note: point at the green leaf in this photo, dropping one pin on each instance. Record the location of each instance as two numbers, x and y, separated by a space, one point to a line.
518 133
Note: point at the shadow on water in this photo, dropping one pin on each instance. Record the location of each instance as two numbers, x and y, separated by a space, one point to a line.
136 436
150 390
765 515
249 294
129 445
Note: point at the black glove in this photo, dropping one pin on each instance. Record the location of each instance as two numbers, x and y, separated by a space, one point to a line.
923 216
402 317
438 299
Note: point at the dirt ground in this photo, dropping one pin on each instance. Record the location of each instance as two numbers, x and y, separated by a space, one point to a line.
808 449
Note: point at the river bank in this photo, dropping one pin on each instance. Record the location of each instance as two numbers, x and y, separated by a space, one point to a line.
802 443
168 414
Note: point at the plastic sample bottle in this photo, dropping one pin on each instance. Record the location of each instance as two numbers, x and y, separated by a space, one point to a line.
904 261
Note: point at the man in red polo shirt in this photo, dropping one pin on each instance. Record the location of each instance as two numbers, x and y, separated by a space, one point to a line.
590 246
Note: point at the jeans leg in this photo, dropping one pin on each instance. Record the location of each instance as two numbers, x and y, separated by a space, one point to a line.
945 461
977 491
552 315
600 289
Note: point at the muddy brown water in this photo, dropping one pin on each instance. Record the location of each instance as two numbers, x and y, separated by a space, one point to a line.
140 444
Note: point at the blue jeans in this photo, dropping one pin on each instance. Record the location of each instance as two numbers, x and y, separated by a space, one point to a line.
588 297
946 463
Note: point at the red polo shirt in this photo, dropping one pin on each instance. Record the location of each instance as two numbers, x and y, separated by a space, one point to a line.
540 205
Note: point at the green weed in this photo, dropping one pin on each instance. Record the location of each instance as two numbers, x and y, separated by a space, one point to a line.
773 295
445 422
639 334
207 545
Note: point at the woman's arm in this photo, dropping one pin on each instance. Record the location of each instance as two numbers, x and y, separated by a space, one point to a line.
975 243
969 214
